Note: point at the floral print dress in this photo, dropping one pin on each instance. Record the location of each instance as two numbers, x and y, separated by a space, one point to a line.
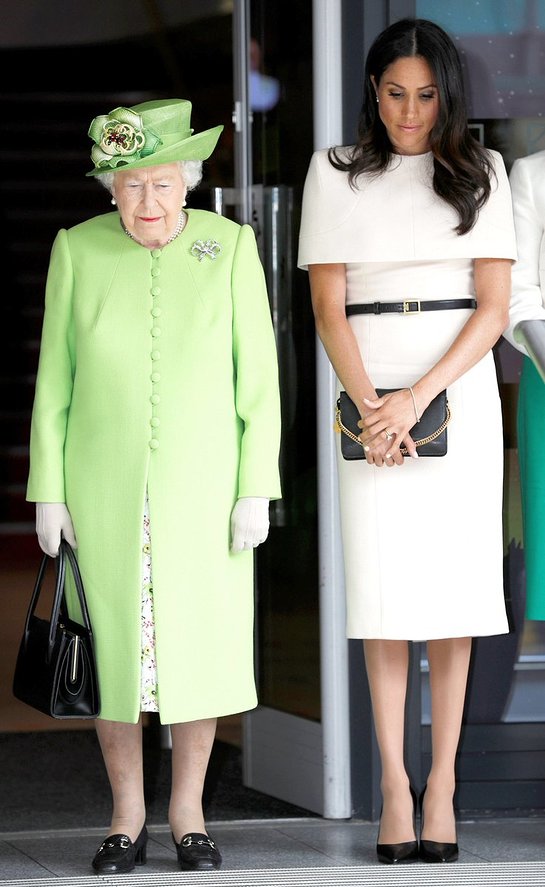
149 699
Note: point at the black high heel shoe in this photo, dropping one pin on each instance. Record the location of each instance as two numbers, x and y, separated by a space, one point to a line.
435 851
407 851
117 854
197 852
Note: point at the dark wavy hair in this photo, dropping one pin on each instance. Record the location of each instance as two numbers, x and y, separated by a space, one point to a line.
462 168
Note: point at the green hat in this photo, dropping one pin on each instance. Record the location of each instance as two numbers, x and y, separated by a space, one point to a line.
147 135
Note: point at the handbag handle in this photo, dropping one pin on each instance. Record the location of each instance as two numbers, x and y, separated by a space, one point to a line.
65 554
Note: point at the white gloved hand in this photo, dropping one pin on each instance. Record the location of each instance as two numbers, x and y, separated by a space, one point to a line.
249 523
52 519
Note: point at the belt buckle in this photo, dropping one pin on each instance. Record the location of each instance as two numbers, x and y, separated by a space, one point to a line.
407 306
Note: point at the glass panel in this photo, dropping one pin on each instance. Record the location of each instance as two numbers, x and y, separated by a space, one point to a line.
502 45
287 576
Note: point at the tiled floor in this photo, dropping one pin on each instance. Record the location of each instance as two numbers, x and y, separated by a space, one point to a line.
265 852
285 845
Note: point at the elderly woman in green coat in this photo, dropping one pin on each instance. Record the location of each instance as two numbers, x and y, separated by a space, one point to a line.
154 444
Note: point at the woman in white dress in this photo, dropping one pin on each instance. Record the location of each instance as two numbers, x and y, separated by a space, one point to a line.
410 234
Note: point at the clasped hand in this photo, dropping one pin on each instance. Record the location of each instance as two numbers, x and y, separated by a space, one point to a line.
385 428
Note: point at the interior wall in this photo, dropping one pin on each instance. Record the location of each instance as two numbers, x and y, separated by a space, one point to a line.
63 22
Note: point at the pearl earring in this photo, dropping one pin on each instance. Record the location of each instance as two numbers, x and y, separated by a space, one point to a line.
113 201
377 98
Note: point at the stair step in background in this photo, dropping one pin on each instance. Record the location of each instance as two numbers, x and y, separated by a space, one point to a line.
13 464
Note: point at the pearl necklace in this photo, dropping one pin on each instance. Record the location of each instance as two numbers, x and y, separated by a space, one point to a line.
182 219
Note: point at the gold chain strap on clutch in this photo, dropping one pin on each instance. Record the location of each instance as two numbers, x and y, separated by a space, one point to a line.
403 450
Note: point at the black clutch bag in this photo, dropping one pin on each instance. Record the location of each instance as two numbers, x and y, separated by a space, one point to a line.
56 670
429 435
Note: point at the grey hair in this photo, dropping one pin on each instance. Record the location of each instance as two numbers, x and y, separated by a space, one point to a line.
190 170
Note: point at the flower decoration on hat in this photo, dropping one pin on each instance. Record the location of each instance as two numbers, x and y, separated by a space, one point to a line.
120 137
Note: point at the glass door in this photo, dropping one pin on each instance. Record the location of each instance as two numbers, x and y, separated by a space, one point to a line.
282 748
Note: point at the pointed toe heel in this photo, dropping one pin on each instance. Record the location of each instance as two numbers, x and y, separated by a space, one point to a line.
118 854
394 854
438 851
435 851
407 851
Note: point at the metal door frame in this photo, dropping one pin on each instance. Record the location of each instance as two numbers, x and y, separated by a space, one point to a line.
299 760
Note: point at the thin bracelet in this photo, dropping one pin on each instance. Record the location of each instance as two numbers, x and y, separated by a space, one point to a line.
414 404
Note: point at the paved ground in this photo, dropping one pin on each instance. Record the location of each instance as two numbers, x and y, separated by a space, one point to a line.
283 846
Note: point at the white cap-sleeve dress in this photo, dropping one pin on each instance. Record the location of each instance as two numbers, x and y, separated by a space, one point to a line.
423 546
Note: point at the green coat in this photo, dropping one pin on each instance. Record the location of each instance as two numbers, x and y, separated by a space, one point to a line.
158 371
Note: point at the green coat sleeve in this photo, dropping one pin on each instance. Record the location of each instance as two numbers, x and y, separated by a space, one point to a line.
257 391
54 381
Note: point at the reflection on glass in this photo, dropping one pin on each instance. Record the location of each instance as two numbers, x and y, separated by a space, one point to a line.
264 90
287 571
502 45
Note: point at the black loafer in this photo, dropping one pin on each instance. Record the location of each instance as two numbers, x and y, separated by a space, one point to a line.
118 854
197 852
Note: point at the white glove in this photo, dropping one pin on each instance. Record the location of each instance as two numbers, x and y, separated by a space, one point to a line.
249 523
52 519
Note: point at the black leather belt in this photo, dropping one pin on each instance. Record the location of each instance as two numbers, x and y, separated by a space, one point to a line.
410 306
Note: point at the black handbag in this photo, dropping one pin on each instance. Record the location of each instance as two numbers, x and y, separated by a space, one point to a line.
429 435
56 670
